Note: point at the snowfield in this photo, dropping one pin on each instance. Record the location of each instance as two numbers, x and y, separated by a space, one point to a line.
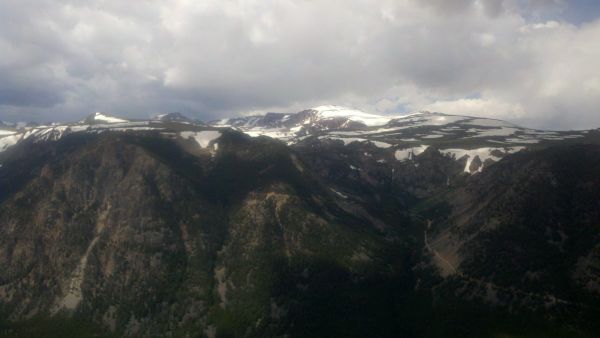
203 138
330 111
101 117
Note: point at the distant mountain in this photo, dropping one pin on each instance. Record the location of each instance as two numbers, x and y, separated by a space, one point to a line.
102 118
460 137
338 123
329 222
174 117
17 125
289 126
475 142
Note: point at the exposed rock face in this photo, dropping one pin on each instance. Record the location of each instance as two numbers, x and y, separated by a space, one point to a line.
475 164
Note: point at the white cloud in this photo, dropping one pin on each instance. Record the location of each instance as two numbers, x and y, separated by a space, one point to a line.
478 107
214 58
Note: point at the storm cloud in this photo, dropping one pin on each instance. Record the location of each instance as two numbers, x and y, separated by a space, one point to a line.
531 62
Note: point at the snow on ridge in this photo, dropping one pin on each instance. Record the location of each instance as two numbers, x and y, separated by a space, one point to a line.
275 133
203 138
380 144
483 154
55 132
46 133
8 141
108 119
37 134
79 128
331 111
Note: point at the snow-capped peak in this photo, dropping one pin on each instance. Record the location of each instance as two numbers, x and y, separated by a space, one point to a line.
331 111
99 117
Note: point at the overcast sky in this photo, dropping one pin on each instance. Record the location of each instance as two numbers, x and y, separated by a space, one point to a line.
534 62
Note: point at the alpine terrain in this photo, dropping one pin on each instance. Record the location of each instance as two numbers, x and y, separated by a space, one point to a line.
330 222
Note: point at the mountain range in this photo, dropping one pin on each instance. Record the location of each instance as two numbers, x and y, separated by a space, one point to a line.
328 222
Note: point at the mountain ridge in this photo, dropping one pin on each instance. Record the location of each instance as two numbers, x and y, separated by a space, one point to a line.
478 140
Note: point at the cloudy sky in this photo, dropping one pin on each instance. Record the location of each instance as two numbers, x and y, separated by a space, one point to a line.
534 62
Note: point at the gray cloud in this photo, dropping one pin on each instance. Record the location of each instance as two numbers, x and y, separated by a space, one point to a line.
506 59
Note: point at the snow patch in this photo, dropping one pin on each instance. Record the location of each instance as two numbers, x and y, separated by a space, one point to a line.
107 119
76 129
9 141
380 144
344 196
502 131
409 153
279 134
483 154
522 140
330 111
203 138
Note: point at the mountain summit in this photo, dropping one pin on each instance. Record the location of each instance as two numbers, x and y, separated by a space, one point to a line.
318 118
172 117
102 118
